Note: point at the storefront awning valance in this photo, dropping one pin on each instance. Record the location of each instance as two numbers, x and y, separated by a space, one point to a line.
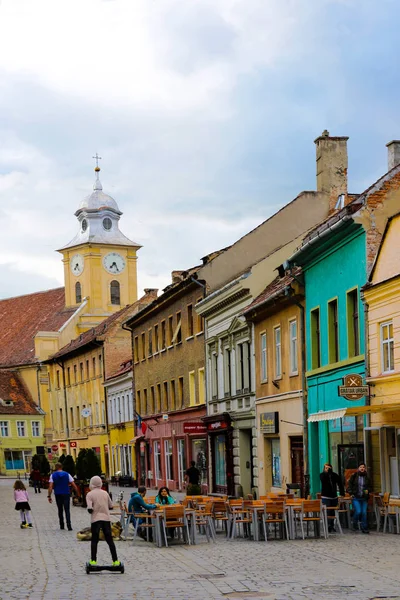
327 415
375 408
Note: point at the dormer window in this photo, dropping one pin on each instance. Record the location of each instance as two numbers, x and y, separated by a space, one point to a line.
107 223
84 225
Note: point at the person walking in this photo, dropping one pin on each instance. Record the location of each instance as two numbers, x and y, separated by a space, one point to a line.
98 505
330 482
35 478
137 504
192 477
59 481
359 487
21 498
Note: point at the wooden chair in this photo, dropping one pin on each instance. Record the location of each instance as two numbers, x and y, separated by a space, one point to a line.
205 520
174 517
238 515
144 521
392 515
381 503
333 516
220 513
312 512
257 515
275 514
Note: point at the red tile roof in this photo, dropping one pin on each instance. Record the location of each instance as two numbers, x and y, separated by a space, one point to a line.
22 317
12 388
125 367
273 290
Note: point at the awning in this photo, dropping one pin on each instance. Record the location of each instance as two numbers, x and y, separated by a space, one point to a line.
327 415
135 439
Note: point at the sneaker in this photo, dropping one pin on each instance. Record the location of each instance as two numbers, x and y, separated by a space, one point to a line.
116 563
30 525
69 528
23 525
365 530
93 563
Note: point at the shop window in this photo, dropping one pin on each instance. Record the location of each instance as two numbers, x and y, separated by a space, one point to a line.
14 459
278 352
115 293
315 339
387 347
263 357
353 328
169 467
199 455
220 460
276 462
333 331
157 460
181 461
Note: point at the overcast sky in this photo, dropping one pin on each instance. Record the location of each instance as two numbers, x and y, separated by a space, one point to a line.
204 112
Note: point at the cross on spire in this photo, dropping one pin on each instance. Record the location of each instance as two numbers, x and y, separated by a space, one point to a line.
97 158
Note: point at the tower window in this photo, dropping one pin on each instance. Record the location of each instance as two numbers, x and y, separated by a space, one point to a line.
115 292
84 225
78 293
107 224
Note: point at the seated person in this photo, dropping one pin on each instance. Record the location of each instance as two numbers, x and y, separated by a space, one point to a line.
138 505
164 498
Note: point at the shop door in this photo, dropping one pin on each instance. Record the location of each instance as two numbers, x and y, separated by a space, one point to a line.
181 462
297 459
350 456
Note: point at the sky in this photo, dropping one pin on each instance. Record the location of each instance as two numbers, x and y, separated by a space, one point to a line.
204 113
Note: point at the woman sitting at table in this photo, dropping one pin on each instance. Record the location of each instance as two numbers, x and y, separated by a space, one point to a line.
164 498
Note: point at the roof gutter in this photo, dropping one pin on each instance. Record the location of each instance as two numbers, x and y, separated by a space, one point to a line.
317 237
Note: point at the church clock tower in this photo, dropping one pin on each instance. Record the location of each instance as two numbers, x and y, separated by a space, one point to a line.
100 270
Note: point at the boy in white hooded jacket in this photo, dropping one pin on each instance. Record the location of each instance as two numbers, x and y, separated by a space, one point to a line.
98 505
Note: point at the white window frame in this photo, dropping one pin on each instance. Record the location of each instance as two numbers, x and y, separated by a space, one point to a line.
214 375
227 371
35 427
278 352
263 357
168 451
293 348
4 428
389 342
157 459
21 428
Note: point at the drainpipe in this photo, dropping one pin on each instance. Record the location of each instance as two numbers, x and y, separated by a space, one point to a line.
367 374
134 412
61 364
38 384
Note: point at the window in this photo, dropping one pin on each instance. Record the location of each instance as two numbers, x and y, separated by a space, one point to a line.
87 370
165 398
315 340
353 332
190 320
192 388
81 371
69 376
177 337
150 352
78 416
58 379
278 352
152 400
294 367
227 372
214 375
143 345
78 293
202 389
170 330
156 341
75 374
243 367
157 460
158 406
200 320
136 349
115 294
173 394
4 429
21 428
138 400
168 460
180 392
387 347
100 364
144 403
263 357
333 331
36 428
163 336
94 366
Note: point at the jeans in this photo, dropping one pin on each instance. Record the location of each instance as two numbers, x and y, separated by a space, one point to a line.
36 486
328 502
106 527
63 504
360 512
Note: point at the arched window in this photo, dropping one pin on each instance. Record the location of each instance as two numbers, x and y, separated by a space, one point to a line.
115 292
78 293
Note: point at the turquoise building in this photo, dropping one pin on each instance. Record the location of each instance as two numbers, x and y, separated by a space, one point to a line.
333 259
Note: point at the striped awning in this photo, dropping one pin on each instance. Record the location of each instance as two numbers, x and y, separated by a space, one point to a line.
327 415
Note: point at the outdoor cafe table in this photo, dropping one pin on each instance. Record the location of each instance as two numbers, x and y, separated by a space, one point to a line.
190 514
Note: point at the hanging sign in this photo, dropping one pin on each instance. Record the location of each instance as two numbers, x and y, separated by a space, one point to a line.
269 422
353 388
194 427
73 444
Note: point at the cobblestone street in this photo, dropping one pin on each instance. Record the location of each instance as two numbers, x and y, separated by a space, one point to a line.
46 563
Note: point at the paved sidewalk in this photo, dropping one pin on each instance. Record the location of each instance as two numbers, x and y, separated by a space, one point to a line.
46 563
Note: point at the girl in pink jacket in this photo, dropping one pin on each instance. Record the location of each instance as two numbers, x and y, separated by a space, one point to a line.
22 504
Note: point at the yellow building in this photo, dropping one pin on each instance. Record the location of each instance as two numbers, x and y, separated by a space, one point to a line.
277 315
382 298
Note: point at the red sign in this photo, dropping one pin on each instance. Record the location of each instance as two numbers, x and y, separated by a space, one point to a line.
73 444
62 445
54 448
217 425
197 427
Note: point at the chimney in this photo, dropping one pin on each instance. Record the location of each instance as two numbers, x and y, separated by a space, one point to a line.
332 167
177 276
151 292
393 154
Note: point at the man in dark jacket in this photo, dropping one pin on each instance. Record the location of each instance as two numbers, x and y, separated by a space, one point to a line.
359 488
330 482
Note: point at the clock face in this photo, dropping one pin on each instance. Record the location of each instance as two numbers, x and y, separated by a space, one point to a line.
114 263
77 264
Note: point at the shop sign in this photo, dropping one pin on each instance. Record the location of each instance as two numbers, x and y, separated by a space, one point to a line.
62 445
194 427
217 425
54 448
353 388
73 444
269 422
